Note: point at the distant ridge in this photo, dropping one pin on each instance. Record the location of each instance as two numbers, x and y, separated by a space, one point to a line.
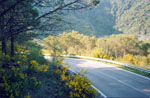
113 17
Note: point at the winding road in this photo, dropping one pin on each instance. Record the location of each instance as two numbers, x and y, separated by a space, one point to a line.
113 82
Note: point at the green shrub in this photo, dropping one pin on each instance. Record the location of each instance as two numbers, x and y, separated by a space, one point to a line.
37 56
15 81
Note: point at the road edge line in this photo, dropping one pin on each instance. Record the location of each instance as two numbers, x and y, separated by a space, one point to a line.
134 73
121 69
102 94
125 83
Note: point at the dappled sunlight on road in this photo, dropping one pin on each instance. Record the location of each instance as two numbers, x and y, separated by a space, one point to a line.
147 90
48 58
88 64
93 65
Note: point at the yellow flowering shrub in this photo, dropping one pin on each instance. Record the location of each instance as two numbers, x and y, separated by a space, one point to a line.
20 49
15 79
79 86
106 57
137 60
34 65
128 57
19 74
43 68
13 82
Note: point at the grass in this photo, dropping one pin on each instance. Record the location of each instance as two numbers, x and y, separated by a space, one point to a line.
130 69
122 67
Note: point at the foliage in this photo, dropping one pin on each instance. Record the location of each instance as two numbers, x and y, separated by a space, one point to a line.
122 47
141 61
34 65
14 80
28 77
79 86
34 53
98 53
70 43
113 17
4 58
132 16
18 74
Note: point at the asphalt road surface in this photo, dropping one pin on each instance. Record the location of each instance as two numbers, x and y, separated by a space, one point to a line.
111 81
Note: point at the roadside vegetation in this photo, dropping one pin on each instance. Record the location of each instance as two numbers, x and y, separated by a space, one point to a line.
126 48
29 75
24 72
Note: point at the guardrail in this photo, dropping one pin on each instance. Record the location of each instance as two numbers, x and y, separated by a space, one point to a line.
111 61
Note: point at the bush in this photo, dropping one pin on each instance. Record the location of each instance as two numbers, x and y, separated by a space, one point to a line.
98 53
14 83
79 86
36 55
128 57
35 66
137 60
21 78
15 79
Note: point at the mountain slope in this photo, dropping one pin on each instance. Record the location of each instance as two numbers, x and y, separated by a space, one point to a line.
112 17
133 16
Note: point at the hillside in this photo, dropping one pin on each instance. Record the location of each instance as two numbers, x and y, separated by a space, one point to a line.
113 17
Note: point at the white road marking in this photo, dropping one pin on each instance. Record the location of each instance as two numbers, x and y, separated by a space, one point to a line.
72 71
125 83
114 67
133 73
116 79
102 94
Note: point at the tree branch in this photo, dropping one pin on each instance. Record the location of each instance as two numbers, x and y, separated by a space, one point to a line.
11 7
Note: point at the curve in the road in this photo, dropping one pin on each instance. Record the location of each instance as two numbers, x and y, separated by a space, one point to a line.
112 81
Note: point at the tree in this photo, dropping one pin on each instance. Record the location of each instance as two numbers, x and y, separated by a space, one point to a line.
48 10
14 19
119 45
52 44
144 46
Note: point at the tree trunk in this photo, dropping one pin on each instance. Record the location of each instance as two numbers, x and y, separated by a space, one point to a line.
12 46
3 41
4 47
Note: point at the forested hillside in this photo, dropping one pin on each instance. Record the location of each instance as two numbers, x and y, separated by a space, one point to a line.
112 17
